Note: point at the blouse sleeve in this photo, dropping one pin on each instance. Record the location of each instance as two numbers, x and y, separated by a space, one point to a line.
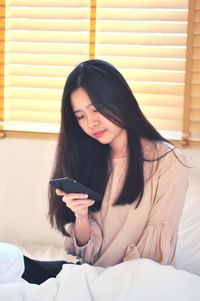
88 252
158 241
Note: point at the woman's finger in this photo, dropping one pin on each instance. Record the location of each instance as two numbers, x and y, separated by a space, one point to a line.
74 205
71 196
75 196
79 208
76 201
59 192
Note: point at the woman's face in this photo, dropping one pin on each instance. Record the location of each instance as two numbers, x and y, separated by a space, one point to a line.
92 122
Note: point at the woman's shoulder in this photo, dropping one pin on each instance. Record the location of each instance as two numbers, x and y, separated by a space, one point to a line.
171 152
157 150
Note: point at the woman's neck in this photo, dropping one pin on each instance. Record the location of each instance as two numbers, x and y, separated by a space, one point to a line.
119 147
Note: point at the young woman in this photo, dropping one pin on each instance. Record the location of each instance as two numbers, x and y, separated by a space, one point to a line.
106 143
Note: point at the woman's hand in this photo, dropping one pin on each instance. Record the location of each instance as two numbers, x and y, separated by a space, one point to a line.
77 202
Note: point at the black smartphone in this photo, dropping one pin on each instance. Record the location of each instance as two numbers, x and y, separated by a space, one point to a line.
70 185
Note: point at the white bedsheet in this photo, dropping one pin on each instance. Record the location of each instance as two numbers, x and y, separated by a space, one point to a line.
140 280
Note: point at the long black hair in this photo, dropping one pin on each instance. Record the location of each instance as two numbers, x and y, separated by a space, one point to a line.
84 158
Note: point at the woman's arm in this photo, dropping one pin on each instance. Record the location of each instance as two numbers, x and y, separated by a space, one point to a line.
85 235
82 230
79 203
88 251
159 239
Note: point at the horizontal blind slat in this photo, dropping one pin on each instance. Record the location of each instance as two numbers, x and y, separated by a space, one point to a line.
48 71
49 3
195 103
48 25
130 50
140 26
196 41
143 4
46 59
195 127
32 94
153 75
195 115
21 48
196 78
145 62
142 38
36 127
196 65
35 82
169 100
160 112
44 36
196 53
195 90
156 88
165 125
29 116
142 14
34 105
51 12
197 29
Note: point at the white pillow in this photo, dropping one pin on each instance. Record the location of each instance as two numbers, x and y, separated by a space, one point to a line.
188 246
39 251
11 263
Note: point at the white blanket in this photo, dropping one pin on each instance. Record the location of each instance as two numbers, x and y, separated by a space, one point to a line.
139 280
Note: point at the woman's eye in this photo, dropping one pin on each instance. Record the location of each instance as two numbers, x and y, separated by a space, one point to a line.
79 117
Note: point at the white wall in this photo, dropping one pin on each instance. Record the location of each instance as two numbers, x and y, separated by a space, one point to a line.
25 167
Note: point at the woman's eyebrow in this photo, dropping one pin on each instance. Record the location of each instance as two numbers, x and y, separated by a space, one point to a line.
79 110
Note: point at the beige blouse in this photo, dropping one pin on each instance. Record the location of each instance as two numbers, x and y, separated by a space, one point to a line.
121 233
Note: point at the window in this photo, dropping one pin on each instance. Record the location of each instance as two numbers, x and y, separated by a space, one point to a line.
146 40
44 41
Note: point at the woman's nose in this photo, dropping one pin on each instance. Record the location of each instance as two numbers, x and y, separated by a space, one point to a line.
92 122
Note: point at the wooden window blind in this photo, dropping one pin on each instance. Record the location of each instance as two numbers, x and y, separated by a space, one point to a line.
146 40
191 117
2 37
44 41
195 82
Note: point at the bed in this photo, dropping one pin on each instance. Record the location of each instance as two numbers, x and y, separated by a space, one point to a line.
139 280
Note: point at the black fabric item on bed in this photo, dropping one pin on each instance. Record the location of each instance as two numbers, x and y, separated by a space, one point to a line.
39 271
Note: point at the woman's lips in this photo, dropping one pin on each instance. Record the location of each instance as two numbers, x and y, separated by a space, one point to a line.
99 133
